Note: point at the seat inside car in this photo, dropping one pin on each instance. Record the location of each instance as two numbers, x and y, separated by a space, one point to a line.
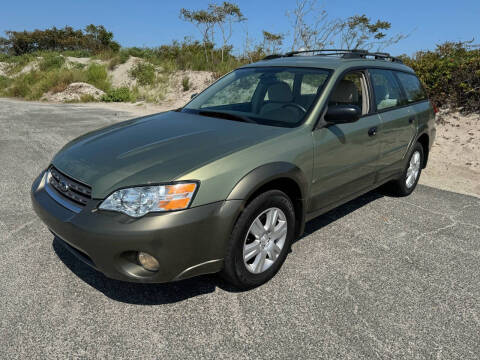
346 93
280 94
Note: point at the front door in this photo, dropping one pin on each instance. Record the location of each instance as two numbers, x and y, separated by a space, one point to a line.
345 155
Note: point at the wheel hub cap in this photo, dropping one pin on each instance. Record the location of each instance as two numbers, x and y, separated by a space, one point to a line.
265 240
413 169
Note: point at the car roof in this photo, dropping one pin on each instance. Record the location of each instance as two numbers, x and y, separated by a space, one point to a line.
329 62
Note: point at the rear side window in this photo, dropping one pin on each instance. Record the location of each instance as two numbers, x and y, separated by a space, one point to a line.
387 89
412 86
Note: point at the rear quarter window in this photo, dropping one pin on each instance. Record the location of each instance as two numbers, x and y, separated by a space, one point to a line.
412 86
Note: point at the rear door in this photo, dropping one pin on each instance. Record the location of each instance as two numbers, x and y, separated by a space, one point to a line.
398 121
416 97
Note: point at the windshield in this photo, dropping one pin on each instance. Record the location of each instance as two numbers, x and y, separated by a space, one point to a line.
279 96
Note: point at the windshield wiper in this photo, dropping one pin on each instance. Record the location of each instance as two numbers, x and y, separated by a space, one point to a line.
228 116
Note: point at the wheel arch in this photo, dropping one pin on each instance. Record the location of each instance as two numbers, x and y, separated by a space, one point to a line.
424 140
281 176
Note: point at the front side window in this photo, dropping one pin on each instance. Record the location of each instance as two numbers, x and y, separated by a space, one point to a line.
278 96
412 86
351 90
386 88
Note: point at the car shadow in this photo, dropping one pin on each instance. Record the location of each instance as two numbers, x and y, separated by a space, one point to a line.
343 210
158 294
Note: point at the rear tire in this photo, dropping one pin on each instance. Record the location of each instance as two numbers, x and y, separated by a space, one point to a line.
405 185
260 240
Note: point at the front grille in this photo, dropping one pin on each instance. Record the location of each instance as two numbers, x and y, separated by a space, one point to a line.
69 188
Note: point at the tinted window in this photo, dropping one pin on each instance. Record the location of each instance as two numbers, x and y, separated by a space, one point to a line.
386 88
412 86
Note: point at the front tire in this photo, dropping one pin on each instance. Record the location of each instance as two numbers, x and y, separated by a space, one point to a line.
405 185
260 240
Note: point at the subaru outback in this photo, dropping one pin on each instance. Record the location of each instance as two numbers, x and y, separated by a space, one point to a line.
226 183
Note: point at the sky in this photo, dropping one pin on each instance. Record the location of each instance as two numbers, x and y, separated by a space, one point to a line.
153 23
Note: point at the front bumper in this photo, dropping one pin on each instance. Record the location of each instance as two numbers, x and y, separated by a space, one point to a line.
186 243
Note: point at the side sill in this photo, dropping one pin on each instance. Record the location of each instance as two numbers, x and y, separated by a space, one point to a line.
316 213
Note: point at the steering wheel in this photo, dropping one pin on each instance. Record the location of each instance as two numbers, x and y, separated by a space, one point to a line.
299 107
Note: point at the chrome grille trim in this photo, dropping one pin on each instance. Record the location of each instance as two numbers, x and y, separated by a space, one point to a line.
55 196
66 191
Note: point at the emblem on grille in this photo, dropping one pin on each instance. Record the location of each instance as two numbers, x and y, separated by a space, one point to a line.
63 186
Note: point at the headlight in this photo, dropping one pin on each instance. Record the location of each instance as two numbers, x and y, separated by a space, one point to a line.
138 201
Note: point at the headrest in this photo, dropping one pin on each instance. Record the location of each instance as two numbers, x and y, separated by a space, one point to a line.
280 92
346 92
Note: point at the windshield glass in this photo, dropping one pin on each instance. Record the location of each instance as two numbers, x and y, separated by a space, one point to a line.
279 96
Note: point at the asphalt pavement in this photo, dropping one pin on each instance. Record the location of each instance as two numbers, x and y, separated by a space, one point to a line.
380 277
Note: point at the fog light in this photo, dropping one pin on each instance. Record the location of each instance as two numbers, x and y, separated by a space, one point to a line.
148 261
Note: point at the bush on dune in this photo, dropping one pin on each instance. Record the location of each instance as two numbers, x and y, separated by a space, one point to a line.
122 94
97 76
144 73
451 74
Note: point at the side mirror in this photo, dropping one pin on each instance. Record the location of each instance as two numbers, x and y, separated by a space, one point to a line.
342 114
193 95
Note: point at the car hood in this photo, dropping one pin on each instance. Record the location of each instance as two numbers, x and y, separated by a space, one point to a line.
154 149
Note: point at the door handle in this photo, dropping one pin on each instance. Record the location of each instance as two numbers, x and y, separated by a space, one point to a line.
411 119
372 131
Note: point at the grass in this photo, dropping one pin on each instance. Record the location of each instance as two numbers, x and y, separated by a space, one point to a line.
120 58
51 61
152 74
52 78
97 76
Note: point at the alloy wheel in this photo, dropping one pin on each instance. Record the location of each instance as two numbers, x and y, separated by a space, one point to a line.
413 169
265 240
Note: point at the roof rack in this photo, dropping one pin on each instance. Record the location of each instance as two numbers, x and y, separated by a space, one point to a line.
344 53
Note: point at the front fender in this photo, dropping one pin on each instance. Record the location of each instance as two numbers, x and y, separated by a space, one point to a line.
268 173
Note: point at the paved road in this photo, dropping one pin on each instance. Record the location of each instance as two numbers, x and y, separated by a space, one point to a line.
379 277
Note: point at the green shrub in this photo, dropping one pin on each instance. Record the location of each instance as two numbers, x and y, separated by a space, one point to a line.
4 83
186 83
122 94
144 73
77 53
451 74
97 76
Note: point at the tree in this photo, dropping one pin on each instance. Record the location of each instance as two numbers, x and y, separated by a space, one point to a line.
272 42
358 32
101 36
94 38
311 27
225 16
205 21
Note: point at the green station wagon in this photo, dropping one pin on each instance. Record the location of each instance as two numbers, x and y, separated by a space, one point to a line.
226 183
